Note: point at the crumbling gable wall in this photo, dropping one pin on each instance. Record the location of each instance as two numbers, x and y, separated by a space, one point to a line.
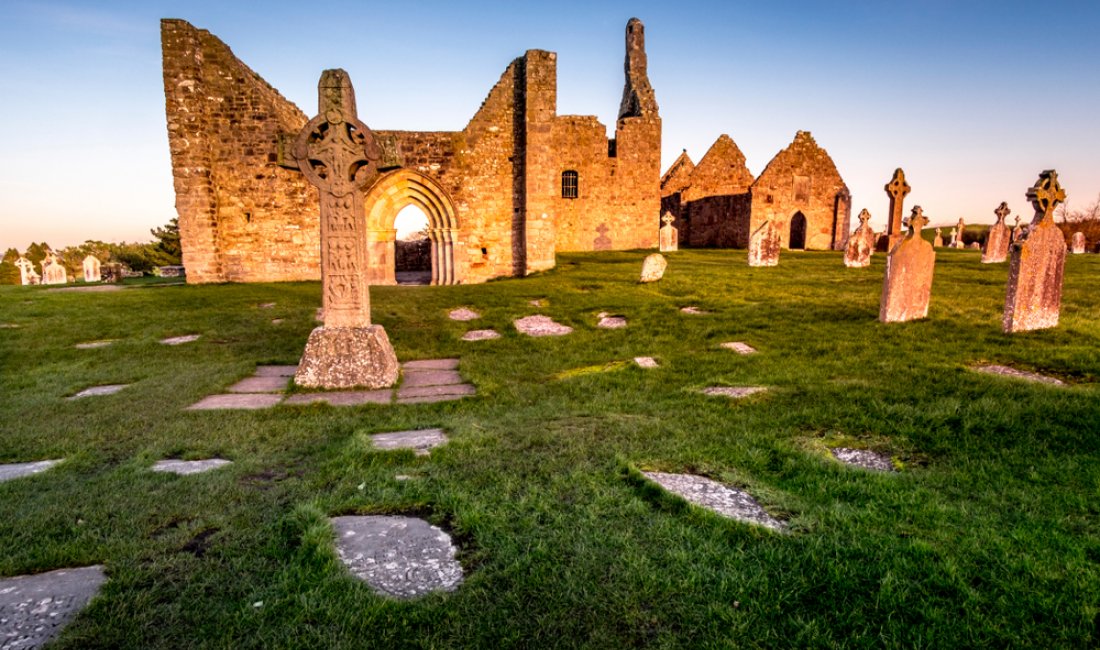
716 202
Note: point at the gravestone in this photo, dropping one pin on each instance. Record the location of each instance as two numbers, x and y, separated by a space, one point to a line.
27 274
957 241
1078 243
907 285
1017 231
669 235
764 245
996 243
91 269
53 272
896 191
609 321
653 268
937 241
861 244
338 155
1033 299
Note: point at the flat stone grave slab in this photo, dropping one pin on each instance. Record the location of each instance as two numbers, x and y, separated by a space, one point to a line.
480 335
645 362
92 345
739 347
267 305
422 394
343 397
431 364
9 326
430 378
691 309
420 441
35 608
735 392
186 467
864 459
463 314
610 322
18 470
537 303
277 321
276 371
399 557
180 340
541 326
236 401
1006 371
712 495
275 384
96 391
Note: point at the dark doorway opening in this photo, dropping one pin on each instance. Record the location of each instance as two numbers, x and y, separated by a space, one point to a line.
412 249
798 232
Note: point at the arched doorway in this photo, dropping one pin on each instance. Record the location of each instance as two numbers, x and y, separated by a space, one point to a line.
412 263
797 239
385 200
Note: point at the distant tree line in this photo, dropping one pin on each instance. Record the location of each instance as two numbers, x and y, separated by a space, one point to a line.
164 250
1086 220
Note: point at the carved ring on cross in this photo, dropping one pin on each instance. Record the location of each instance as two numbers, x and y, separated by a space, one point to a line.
337 153
1047 193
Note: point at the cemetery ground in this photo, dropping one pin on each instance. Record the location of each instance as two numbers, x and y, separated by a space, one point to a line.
986 535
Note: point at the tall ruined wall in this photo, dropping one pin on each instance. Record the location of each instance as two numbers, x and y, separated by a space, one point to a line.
242 217
803 179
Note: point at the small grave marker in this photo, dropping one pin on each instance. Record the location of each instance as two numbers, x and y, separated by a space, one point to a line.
609 322
653 268
400 557
249 401
693 310
92 345
1006 371
541 326
646 362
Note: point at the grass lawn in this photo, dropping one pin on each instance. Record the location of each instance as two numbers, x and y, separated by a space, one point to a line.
989 535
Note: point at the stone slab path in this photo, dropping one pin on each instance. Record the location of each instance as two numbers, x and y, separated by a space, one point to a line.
18 470
712 495
540 325
463 314
343 397
97 391
399 557
480 335
180 340
260 385
864 459
1006 371
739 347
35 608
186 467
246 401
734 392
421 441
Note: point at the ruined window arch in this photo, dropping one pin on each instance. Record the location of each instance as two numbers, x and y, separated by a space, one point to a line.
569 184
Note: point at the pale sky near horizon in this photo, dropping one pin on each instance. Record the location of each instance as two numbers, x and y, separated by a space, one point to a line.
972 99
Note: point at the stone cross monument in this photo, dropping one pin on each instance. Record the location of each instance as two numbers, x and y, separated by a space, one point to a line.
669 235
1033 299
861 245
896 190
338 155
937 241
960 228
52 271
907 287
996 243
27 274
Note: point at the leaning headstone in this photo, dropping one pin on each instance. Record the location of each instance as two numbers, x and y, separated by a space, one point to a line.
91 269
764 245
954 238
996 243
907 286
1078 243
1033 299
52 271
27 274
937 241
338 155
653 268
35 608
896 190
960 228
721 499
861 244
400 557
669 235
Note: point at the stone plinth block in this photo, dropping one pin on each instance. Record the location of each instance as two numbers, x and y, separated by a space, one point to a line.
348 357
907 287
764 245
1034 297
653 268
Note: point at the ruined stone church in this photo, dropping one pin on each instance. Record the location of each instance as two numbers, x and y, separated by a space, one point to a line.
502 196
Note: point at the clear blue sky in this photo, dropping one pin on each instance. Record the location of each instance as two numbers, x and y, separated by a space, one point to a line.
972 99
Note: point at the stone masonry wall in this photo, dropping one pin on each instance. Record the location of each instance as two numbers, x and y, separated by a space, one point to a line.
716 200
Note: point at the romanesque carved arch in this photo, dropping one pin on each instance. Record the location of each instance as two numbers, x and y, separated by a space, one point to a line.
392 192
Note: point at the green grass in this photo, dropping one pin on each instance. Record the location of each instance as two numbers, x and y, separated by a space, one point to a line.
988 537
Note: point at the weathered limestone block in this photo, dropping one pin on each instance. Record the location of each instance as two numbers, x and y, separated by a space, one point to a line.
996 243
91 269
1033 299
861 245
937 241
653 268
764 245
348 357
669 236
1078 242
907 287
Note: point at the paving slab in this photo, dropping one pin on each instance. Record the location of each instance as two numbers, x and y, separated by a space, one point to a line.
480 335
414 378
186 467
739 347
343 397
276 371
716 497
691 309
431 364
735 392
97 391
399 557
864 459
236 401
276 384
35 608
610 322
540 325
18 470
180 340
92 345
646 362
463 314
421 441
457 390
1006 371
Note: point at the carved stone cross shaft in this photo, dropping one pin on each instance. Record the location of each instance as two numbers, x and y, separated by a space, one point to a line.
896 189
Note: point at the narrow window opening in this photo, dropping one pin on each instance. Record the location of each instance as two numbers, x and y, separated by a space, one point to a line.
569 185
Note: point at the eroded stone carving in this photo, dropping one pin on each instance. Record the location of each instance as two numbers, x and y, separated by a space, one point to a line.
653 268
764 245
669 234
996 243
907 286
861 245
896 190
1033 299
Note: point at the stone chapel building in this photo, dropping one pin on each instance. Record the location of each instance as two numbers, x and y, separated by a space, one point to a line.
502 196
